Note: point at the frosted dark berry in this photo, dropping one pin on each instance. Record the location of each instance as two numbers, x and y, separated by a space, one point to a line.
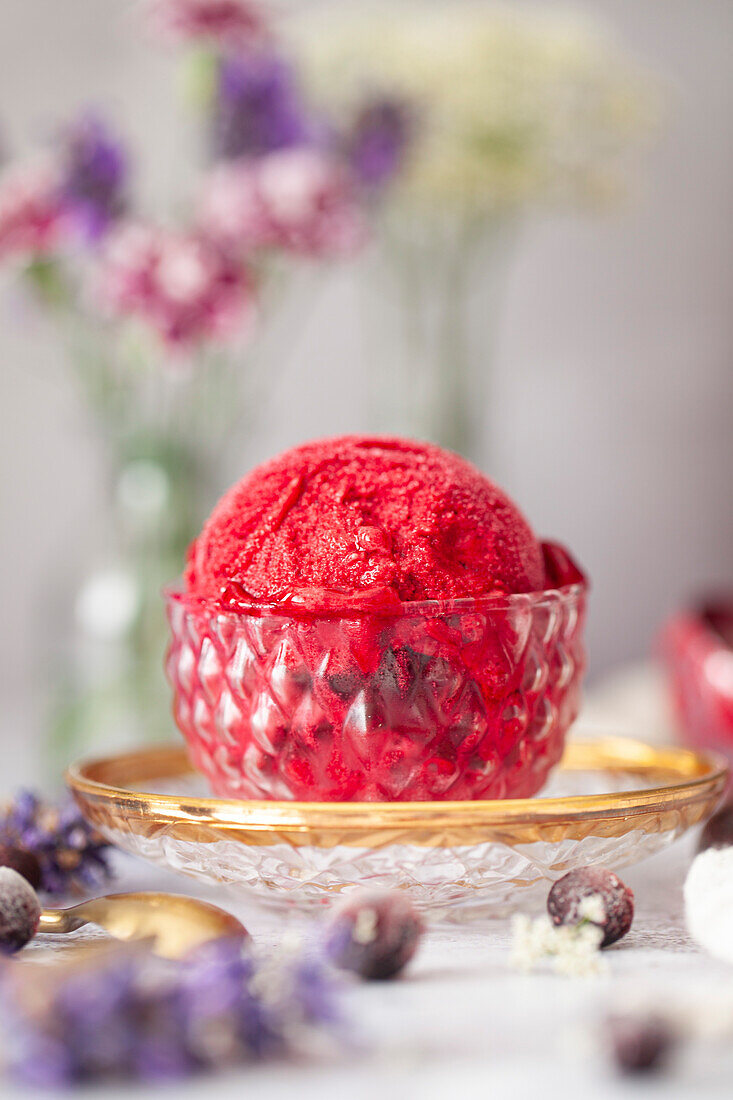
718 833
374 934
25 863
399 675
575 896
639 1044
20 911
345 685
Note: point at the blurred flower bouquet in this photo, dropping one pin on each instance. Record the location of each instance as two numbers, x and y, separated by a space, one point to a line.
172 327
460 118
433 126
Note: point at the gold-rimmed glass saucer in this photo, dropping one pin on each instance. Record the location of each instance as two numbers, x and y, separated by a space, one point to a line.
611 802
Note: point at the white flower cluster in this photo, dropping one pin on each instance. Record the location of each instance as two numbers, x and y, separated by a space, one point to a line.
510 106
574 950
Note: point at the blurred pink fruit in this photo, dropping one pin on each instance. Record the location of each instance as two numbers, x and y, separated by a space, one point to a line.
697 649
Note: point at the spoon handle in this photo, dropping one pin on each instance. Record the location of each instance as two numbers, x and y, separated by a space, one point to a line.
59 921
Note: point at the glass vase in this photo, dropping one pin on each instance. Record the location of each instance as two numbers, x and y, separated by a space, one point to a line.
162 428
109 689
433 286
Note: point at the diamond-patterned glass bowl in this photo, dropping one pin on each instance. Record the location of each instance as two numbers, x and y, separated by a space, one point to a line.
610 803
458 699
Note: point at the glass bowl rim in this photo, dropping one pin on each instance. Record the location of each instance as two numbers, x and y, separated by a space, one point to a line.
683 776
177 594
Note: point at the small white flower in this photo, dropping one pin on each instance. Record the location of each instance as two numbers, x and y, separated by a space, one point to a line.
512 106
573 949
365 926
592 909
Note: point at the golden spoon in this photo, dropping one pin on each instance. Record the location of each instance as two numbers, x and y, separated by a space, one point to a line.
173 924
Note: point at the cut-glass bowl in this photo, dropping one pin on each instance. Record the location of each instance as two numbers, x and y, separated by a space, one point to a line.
610 803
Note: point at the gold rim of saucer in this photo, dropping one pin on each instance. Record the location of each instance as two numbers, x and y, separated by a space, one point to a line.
678 788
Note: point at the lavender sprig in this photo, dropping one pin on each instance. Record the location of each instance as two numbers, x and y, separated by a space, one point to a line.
379 139
94 170
129 1015
258 107
71 855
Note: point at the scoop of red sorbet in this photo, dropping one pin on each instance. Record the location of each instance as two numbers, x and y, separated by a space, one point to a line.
357 516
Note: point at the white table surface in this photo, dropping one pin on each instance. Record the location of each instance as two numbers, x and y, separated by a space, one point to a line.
462 1021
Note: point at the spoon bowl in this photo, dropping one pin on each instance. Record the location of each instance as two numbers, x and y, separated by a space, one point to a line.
173 924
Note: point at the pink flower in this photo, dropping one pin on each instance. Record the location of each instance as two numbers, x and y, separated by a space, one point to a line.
228 23
30 210
182 285
300 200
231 209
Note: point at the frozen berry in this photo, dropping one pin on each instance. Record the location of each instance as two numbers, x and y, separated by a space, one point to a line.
374 934
596 895
345 685
718 833
399 675
20 911
639 1044
25 863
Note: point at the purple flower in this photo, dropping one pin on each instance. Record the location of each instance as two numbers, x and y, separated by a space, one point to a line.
378 141
223 1014
71 855
258 107
94 171
126 1014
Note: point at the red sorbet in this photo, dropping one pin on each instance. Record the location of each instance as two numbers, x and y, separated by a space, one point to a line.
361 518
303 667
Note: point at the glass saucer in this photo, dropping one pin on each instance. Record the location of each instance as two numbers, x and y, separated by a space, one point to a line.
612 802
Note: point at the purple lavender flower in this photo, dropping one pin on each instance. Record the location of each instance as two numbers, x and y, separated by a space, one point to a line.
378 141
94 170
130 1015
258 107
312 987
223 1015
71 855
